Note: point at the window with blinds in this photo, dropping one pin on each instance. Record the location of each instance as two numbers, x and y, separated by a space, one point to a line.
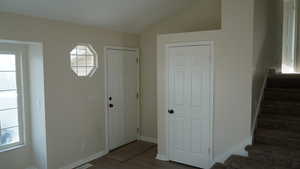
10 111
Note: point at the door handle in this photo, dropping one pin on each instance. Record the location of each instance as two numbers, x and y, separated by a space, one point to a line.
110 105
171 111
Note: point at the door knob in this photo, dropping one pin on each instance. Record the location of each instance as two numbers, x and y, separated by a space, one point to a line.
110 105
171 111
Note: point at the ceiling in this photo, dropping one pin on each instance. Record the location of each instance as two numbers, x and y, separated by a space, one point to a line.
122 15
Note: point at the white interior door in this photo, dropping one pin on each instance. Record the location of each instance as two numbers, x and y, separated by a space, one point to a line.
122 88
189 104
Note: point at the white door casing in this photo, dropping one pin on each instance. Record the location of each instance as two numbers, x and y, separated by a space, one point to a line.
190 98
121 96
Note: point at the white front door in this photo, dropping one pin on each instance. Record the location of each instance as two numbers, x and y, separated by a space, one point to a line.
122 88
189 104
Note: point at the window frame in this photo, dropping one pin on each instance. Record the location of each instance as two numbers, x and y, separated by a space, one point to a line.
20 101
95 59
289 36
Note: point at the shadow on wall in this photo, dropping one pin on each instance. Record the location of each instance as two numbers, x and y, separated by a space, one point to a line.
202 15
267 46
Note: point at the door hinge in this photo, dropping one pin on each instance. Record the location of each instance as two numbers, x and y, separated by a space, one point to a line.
137 60
137 95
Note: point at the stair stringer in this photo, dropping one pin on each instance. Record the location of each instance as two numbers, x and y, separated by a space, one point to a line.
237 150
258 106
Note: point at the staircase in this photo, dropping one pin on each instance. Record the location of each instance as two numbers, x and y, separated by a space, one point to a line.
276 143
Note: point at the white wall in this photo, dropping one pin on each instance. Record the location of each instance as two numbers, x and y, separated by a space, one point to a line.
37 105
74 107
22 157
202 15
233 78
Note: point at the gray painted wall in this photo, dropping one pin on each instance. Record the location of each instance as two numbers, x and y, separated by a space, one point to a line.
267 45
203 15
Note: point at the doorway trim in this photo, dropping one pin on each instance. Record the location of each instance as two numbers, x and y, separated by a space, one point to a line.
106 90
211 105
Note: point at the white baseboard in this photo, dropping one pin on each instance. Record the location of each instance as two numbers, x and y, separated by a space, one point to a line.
148 139
237 150
86 160
162 157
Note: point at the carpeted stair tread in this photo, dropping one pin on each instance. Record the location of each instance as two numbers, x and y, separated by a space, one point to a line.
284 76
285 90
278 124
280 103
281 108
279 111
282 94
277 133
240 162
283 81
279 117
218 166
279 156
275 150
277 138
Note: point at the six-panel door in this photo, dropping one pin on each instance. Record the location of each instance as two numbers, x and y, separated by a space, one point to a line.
189 98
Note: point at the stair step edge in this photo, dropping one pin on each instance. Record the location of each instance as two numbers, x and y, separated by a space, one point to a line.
240 162
272 149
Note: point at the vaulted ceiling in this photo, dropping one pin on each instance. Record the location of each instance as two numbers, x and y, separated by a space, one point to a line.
122 15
